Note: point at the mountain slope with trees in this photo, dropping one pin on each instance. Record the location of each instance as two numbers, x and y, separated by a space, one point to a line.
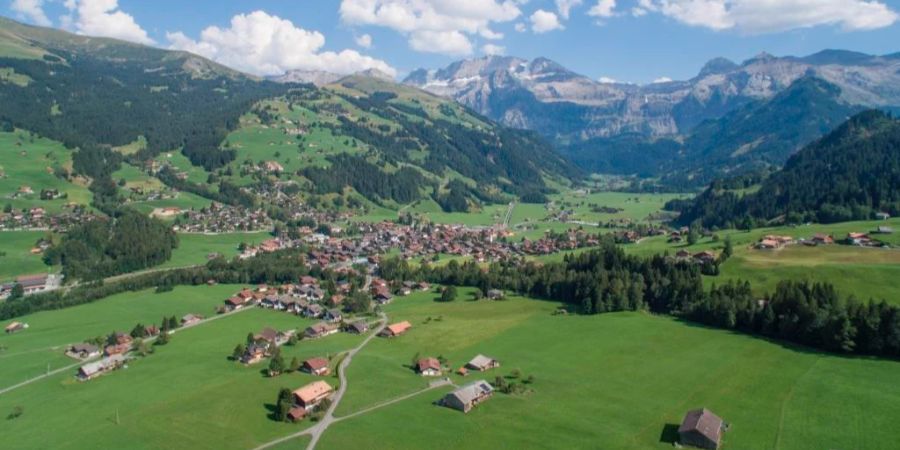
850 174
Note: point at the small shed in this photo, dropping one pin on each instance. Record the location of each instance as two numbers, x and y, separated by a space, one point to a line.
701 428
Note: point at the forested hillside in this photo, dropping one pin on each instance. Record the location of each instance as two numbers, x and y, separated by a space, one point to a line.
850 174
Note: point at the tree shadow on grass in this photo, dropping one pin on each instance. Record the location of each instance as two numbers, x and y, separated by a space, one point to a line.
271 407
669 434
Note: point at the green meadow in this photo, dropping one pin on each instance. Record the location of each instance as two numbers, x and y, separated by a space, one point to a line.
619 380
17 259
187 394
28 160
194 248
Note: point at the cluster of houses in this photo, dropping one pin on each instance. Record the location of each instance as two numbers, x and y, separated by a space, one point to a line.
702 257
32 284
95 369
264 344
219 218
776 242
36 218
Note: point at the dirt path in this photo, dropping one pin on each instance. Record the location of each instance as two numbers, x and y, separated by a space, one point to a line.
508 216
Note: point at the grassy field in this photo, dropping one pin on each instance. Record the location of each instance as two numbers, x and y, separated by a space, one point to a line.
17 259
863 272
611 381
186 395
26 160
194 248
28 353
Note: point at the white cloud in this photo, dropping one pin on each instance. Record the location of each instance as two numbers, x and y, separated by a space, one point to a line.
544 21
32 10
603 8
565 7
452 43
491 49
103 18
521 27
425 21
364 41
264 44
662 80
768 16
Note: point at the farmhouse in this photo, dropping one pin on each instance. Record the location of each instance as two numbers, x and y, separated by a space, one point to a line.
701 428
272 337
428 367
190 319
234 303
482 363
82 351
93 370
320 329
495 294
15 326
309 396
396 329
316 366
358 327
468 396
822 239
254 353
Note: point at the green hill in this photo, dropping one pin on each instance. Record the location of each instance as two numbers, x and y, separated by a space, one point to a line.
850 174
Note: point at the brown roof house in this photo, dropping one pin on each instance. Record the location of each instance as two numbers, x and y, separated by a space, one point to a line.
468 396
396 329
428 367
316 366
309 396
482 363
701 428
320 329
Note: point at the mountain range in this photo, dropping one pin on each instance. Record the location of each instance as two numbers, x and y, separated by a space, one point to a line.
544 96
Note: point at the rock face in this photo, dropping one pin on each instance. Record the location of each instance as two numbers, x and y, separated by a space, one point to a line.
322 78
545 96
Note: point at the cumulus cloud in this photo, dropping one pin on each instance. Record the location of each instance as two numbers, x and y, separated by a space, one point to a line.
103 18
265 44
364 41
492 49
603 8
31 10
768 16
521 27
564 7
544 21
425 22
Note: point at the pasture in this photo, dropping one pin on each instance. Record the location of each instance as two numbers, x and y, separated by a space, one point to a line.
620 380
188 394
15 254
27 160
194 248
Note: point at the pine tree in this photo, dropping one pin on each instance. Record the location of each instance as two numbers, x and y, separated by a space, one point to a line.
239 351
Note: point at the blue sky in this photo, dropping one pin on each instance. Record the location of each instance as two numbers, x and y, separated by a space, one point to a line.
627 40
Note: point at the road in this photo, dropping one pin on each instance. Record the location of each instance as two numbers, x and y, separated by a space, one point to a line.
316 431
508 215
87 360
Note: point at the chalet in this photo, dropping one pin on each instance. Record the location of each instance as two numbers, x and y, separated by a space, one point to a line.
234 303
704 257
15 327
190 319
272 337
245 294
316 366
884 230
313 311
858 239
33 283
428 367
117 349
307 280
271 302
320 329
423 286
254 353
93 370
768 244
468 396
382 295
396 329
82 351
495 294
358 327
682 255
333 316
822 239
151 331
701 428
482 363
309 396
120 338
